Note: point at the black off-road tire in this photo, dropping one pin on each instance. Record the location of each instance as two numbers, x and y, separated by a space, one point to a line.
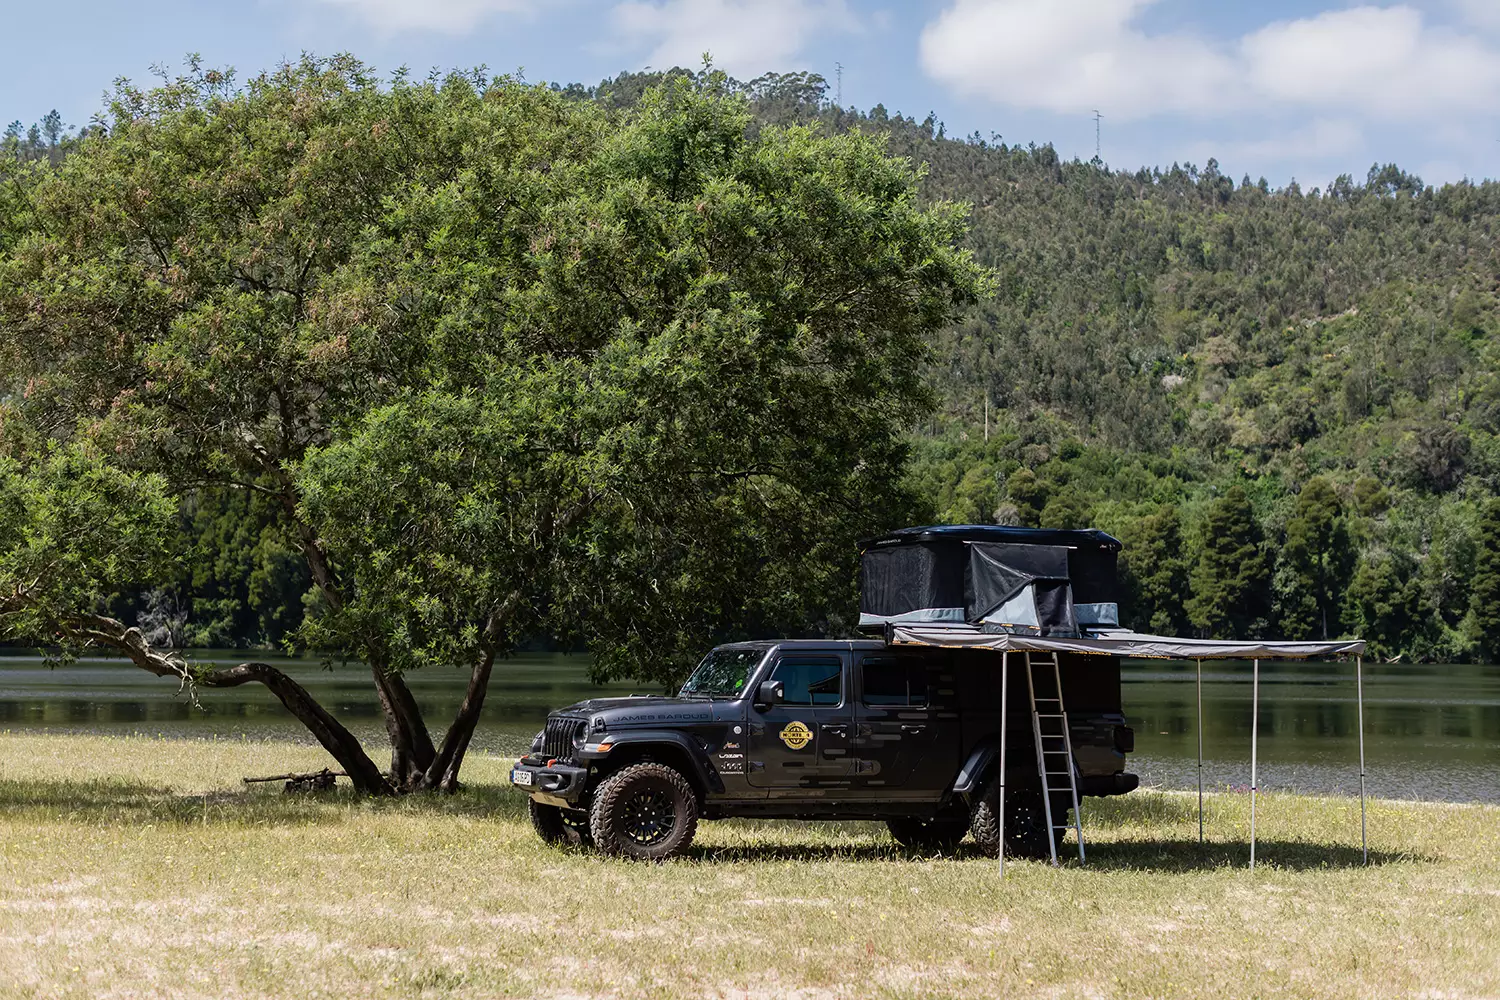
647 812
1025 823
558 826
941 835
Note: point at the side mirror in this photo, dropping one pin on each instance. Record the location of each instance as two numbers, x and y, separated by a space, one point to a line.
769 693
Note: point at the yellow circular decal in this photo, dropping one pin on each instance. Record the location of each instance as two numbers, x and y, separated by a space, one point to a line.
796 735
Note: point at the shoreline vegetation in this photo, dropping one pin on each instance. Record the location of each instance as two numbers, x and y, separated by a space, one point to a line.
132 872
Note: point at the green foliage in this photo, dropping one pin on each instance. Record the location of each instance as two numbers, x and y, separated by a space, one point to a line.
492 361
241 581
1381 605
659 414
1231 577
1484 593
1153 573
1028 497
73 531
1316 560
223 276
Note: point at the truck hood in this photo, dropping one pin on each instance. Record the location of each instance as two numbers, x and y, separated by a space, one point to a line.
621 712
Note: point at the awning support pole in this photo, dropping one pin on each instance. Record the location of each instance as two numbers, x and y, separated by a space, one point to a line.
1359 685
1200 753
1254 749
1000 798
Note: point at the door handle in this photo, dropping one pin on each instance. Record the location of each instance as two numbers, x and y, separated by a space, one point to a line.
913 730
836 729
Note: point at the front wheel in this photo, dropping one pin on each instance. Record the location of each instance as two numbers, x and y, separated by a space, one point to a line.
647 811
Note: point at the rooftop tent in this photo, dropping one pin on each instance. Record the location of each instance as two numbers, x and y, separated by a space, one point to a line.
1019 588
1033 580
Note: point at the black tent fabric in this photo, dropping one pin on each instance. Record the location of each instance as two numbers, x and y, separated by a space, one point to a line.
1092 554
1093 572
968 573
999 573
1054 608
920 582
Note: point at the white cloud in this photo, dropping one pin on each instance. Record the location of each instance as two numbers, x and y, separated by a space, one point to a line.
1071 56
450 17
1479 13
746 37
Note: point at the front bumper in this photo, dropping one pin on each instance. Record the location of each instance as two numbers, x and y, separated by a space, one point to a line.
550 783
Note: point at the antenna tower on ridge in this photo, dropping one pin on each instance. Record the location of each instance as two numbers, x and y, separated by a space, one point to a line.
838 69
1097 119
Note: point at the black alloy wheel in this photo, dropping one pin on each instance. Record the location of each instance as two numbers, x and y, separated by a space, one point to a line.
647 817
646 811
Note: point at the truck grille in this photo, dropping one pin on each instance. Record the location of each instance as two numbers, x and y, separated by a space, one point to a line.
558 737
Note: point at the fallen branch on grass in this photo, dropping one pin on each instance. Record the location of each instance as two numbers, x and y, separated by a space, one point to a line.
303 782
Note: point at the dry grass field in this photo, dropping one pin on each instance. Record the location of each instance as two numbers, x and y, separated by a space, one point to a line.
143 868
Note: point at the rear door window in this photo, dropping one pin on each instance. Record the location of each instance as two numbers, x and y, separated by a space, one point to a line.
893 682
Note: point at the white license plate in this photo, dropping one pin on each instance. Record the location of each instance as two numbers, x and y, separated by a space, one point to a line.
520 777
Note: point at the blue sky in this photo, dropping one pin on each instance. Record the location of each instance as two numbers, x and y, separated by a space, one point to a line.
1304 89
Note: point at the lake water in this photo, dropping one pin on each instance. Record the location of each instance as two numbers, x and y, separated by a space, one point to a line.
1431 731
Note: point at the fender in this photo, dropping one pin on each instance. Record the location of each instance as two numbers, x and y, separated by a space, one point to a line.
971 776
702 775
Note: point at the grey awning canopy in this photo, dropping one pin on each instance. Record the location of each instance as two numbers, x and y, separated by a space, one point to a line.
1122 642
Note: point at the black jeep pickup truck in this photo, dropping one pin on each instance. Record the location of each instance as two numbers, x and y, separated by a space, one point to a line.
820 729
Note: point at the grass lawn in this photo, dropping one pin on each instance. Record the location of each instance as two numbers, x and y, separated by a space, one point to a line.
142 868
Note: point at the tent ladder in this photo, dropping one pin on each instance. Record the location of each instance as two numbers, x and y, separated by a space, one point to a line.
1054 744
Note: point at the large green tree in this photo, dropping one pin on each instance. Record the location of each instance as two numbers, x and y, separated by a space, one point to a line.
1316 560
504 362
1381 604
1484 592
1231 578
1154 572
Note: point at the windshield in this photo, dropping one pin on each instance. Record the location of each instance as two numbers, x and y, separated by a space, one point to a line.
723 673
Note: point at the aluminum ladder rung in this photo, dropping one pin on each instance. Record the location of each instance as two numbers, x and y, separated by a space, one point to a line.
1043 660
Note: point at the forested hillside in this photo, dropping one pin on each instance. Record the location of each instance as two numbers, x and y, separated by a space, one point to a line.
1283 401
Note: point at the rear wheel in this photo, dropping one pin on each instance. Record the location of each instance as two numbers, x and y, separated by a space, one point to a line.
559 826
646 811
1025 823
941 835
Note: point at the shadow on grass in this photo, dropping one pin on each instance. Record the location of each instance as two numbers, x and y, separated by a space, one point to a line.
1168 855
1185 855
133 802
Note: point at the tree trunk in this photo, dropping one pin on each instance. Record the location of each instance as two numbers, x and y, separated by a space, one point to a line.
412 752
337 740
411 745
442 773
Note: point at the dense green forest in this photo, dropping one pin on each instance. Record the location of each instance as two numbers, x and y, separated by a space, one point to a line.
1284 401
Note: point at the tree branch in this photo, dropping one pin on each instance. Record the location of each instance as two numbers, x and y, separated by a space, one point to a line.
335 738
